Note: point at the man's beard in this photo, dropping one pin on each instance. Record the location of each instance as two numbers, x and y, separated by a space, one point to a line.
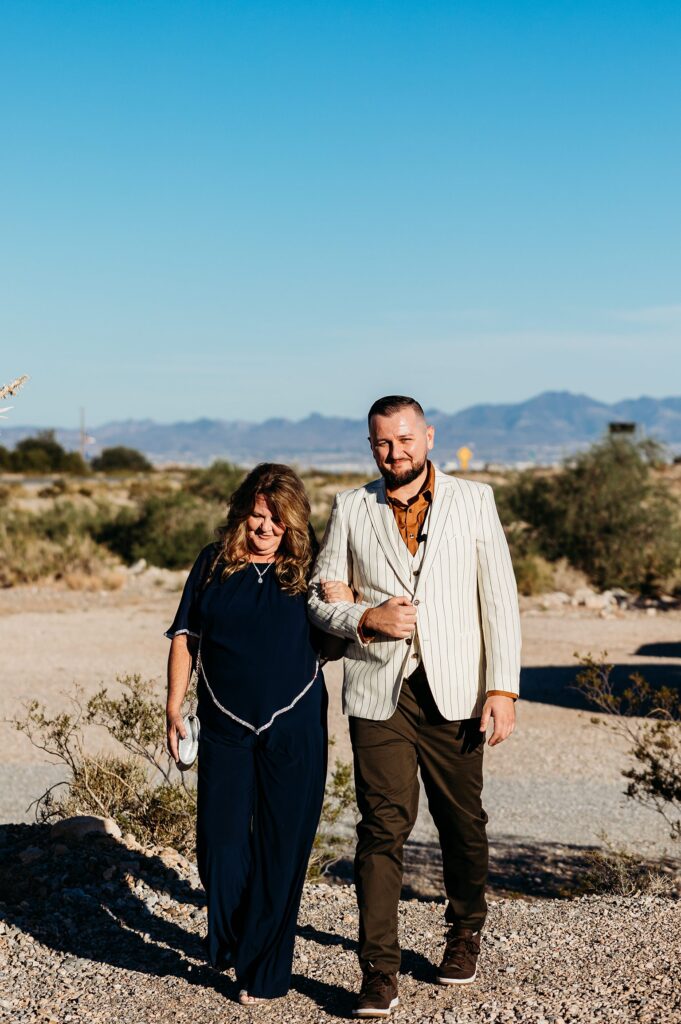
395 480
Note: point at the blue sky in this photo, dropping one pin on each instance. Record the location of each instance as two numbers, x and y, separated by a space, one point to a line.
255 209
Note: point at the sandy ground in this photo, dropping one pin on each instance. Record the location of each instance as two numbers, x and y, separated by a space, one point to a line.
554 786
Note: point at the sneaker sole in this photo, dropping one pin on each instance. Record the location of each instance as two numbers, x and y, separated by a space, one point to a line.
457 981
377 1013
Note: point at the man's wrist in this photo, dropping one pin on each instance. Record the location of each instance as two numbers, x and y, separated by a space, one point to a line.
364 630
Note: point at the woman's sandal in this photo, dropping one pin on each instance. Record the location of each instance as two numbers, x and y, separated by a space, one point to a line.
247 1000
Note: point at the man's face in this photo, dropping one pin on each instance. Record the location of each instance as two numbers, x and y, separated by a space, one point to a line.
400 444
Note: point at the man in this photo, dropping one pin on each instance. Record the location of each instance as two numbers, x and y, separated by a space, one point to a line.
434 657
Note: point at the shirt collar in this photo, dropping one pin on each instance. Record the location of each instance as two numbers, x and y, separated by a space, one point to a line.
425 492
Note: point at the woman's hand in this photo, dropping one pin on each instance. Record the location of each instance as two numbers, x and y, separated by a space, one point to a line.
179 672
335 590
175 732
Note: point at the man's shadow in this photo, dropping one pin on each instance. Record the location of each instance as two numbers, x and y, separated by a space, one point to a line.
412 963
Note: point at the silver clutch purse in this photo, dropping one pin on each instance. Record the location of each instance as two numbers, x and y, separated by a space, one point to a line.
188 748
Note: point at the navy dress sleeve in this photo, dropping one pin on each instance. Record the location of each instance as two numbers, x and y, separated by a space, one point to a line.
187 615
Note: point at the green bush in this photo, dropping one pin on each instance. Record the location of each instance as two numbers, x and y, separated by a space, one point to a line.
604 512
167 530
43 454
121 460
217 483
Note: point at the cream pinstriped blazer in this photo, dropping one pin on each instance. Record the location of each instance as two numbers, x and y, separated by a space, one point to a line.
468 624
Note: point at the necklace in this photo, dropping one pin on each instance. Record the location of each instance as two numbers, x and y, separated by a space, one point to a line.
261 574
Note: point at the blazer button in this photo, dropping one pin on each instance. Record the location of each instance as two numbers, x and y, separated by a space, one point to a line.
408 641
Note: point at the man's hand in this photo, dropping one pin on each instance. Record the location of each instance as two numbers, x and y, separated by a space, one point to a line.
502 710
395 617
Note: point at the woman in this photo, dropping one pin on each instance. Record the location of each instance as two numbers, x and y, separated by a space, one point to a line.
262 709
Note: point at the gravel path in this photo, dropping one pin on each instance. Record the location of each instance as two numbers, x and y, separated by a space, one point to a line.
99 931
552 792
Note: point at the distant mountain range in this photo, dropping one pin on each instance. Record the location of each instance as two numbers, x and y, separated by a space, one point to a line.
541 430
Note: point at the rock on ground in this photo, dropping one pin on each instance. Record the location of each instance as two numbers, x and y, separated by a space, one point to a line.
96 930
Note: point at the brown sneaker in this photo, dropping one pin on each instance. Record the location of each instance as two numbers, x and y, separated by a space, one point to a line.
378 995
460 961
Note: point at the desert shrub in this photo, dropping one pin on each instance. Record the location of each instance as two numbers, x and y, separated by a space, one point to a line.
618 873
167 530
43 454
71 539
140 488
53 543
120 459
533 575
532 571
650 720
328 845
74 463
322 488
604 512
139 786
216 483
56 489
135 786
567 578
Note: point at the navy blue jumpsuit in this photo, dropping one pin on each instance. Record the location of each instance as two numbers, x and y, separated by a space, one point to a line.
262 764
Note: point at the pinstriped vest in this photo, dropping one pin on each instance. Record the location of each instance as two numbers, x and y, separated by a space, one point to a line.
414 563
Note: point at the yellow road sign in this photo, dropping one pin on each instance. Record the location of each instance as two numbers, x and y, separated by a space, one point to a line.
464 455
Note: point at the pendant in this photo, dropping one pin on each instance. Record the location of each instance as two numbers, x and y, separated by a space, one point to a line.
260 579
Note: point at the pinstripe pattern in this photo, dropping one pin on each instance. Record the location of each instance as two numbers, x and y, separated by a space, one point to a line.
467 618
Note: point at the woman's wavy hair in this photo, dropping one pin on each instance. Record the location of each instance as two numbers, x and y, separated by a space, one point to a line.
287 497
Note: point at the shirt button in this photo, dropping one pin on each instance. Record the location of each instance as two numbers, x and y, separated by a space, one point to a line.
408 641
416 600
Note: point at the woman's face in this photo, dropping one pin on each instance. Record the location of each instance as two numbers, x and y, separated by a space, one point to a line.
263 530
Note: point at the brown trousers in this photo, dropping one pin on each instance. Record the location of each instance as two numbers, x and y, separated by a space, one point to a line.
386 757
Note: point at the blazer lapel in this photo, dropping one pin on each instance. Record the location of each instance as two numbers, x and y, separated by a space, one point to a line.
439 513
383 520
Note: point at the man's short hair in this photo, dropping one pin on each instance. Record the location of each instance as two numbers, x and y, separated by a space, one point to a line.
393 403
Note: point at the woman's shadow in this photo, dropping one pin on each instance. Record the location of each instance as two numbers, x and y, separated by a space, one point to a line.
93 899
